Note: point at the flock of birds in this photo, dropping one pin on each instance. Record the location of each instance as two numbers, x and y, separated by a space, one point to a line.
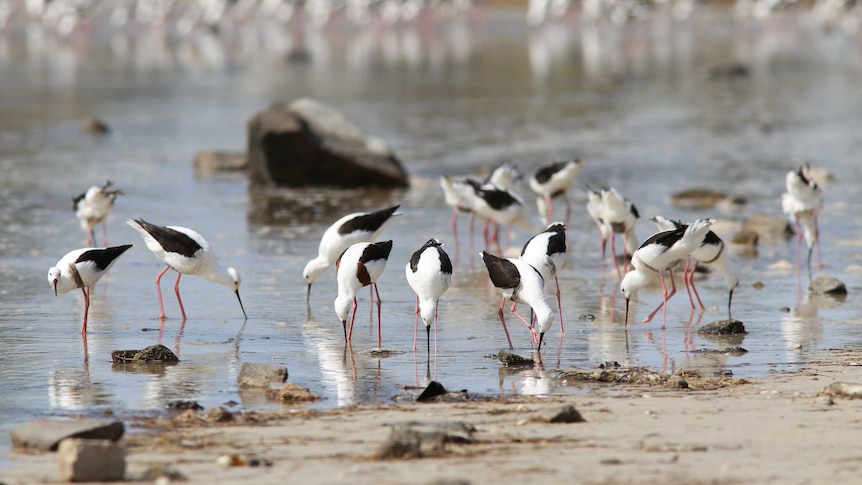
350 244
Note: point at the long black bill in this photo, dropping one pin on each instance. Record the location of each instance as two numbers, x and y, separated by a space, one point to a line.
54 284
729 300
344 324
240 305
541 337
626 321
308 294
428 338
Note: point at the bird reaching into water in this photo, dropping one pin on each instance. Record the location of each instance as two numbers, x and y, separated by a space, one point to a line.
92 208
360 265
803 202
429 274
343 233
546 252
186 252
82 268
553 180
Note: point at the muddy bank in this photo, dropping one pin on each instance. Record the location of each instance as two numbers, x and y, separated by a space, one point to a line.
780 429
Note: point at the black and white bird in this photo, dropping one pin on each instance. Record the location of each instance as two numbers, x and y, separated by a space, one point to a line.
186 252
803 202
620 216
82 268
546 252
460 194
520 283
553 180
713 252
360 265
506 176
429 274
660 253
499 207
343 233
92 208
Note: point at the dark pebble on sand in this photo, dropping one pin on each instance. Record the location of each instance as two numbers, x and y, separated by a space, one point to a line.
723 327
183 404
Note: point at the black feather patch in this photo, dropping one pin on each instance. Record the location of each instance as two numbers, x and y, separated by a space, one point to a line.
546 172
171 240
444 258
103 257
369 222
496 198
376 251
503 273
634 211
665 238
557 242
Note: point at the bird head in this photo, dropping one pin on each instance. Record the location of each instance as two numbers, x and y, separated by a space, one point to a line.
234 274
313 270
54 278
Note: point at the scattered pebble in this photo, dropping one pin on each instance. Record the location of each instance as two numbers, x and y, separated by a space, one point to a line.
417 440
95 126
843 390
154 354
291 392
261 375
219 414
512 360
183 404
560 414
723 327
826 285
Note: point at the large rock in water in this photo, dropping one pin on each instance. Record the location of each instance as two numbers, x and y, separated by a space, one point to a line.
306 142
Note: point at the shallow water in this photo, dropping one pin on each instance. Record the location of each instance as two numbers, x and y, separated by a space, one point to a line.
637 105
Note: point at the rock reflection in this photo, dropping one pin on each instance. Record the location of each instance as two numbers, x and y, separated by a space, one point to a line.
72 389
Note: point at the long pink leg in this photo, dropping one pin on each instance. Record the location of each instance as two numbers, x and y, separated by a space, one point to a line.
694 288
798 244
614 255
533 333
687 286
177 291
379 317
86 309
436 307
159 291
416 323
817 240
352 318
105 233
549 206
666 296
559 303
568 208
503 321
454 233
472 245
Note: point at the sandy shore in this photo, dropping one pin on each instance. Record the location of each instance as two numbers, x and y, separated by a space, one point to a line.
780 429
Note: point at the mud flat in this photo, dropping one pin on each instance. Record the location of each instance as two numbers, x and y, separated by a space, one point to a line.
788 428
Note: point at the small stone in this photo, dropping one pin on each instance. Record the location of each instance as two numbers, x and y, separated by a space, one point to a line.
561 414
825 399
677 382
731 70
291 392
696 199
770 229
95 126
45 434
85 460
156 354
183 404
417 440
827 285
587 317
219 414
210 161
512 360
261 375
432 391
758 285
723 327
164 473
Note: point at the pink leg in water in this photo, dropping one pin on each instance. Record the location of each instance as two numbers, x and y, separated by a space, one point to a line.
503 321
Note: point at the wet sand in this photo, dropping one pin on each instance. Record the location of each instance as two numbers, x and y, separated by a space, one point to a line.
779 429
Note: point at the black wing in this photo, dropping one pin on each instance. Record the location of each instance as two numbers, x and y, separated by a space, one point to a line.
376 251
103 257
665 238
367 222
171 240
503 273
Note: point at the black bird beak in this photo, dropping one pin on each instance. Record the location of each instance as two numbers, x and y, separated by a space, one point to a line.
541 337
428 338
54 284
626 321
308 294
343 324
240 305
729 299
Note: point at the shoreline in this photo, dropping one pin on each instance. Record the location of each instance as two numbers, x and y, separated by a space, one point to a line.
779 429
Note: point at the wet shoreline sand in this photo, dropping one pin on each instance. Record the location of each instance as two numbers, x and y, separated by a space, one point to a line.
779 429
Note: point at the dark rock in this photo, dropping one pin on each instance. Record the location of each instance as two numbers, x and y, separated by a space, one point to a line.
769 229
723 373
153 473
219 414
307 143
586 317
95 126
723 327
731 70
734 351
45 435
513 360
560 414
261 375
677 382
417 440
697 199
826 285
183 404
154 354
433 390
291 392
86 460
210 161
